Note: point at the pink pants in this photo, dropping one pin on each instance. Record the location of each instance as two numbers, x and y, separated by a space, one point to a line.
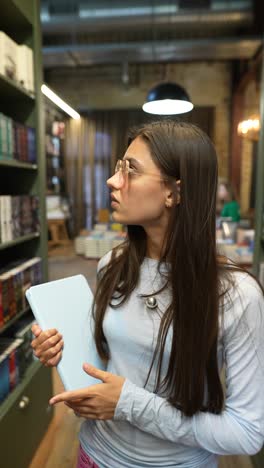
84 461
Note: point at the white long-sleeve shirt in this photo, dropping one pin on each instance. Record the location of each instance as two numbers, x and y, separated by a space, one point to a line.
149 432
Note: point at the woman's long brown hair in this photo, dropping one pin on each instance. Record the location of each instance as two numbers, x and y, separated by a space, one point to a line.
182 152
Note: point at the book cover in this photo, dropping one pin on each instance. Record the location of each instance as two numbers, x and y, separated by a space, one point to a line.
66 305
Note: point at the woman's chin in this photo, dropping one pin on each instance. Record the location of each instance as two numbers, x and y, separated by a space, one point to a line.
117 217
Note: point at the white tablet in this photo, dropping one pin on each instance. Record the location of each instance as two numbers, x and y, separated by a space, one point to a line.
66 304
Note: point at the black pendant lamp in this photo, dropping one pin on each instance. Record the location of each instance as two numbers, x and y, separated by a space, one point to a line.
167 99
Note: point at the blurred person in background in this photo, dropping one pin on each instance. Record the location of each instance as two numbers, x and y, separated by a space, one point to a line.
230 206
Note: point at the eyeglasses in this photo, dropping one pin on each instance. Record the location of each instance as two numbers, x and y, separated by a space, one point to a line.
123 170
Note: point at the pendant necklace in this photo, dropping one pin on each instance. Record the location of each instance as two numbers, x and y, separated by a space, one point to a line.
151 301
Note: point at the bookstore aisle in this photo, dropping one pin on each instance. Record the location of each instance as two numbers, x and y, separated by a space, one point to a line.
60 444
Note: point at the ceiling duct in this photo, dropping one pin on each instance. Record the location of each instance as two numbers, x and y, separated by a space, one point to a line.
83 33
59 17
143 52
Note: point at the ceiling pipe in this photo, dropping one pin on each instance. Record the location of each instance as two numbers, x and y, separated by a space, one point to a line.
61 24
147 52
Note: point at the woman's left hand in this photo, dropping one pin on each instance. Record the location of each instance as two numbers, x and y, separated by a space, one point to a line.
97 401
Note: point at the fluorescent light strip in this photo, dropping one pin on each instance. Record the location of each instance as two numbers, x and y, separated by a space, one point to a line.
59 102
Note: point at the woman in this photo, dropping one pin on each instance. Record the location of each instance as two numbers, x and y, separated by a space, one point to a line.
169 314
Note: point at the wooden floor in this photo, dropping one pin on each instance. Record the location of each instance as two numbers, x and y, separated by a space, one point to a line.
60 444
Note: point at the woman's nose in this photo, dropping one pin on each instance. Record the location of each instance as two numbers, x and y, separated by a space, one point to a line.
115 181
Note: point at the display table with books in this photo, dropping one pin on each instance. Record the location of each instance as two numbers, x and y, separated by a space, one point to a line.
99 241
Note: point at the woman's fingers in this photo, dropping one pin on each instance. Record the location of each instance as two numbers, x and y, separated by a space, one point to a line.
36 330
51 352
49 343
43 337
54 361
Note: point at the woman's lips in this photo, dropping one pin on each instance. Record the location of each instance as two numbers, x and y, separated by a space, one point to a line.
114 199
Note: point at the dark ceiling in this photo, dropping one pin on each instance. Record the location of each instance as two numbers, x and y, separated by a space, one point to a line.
85 33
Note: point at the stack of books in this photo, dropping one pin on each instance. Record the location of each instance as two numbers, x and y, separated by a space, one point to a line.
19 216
17 141
16 62
14 281
98 243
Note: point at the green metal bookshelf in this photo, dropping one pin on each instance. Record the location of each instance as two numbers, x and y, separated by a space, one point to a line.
26 409
19 165
10 88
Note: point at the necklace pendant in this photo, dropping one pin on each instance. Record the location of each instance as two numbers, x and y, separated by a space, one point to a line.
151 302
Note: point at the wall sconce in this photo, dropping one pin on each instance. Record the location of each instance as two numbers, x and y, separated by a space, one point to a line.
249 128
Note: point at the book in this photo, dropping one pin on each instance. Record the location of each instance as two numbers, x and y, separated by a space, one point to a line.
66 304
31 145
8 54
22 68
3 136
10 364
4 376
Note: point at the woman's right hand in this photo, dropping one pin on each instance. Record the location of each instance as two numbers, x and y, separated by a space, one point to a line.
47 345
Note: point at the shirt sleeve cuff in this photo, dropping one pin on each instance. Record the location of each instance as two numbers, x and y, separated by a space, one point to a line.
123 411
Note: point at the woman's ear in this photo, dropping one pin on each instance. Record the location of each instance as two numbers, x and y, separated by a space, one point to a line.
173 196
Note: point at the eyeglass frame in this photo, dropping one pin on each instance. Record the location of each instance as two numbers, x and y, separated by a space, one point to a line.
122 166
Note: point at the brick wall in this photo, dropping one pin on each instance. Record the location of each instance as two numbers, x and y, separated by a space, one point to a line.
208 84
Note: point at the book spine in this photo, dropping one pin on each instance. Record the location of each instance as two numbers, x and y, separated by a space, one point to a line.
9 128
5 299
9 230
3 137
11 297
1 306
4 377
3 219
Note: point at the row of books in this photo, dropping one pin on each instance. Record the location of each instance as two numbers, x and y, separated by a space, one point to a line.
14 281
16 62
19 216
16 355
17 141
11 365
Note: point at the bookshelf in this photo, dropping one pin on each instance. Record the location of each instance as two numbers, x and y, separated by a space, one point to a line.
18 164
25 411
55 153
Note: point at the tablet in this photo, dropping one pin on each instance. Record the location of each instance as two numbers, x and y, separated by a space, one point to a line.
65 304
